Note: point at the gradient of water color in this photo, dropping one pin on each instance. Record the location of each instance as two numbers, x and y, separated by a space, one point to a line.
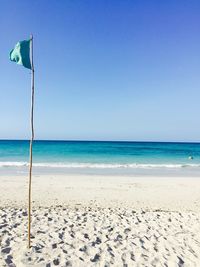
102 155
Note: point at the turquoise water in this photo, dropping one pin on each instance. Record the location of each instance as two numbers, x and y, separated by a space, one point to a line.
104 155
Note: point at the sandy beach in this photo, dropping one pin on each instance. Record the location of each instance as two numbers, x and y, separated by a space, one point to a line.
90 220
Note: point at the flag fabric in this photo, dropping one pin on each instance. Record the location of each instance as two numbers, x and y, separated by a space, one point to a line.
21 54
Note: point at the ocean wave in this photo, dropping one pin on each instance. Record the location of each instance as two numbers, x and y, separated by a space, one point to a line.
98 165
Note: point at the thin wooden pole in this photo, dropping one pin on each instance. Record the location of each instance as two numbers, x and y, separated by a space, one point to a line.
31 142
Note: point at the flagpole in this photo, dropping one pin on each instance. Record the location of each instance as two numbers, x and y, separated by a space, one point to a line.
31 141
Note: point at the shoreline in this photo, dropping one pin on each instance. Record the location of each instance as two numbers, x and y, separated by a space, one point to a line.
158 172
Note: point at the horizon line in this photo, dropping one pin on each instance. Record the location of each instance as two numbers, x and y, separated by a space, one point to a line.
80 140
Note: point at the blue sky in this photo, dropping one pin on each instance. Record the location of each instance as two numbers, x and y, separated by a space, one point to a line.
105 70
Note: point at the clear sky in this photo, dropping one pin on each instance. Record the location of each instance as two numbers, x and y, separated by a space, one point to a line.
105 70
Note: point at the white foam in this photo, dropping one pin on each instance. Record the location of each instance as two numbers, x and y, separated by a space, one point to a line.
13 164
98 165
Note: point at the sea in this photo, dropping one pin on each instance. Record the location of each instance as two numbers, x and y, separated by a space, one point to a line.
101 157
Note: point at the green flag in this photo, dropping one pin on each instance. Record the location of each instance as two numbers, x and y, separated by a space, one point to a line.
21 54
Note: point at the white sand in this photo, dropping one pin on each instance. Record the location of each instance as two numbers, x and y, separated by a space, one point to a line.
101 221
